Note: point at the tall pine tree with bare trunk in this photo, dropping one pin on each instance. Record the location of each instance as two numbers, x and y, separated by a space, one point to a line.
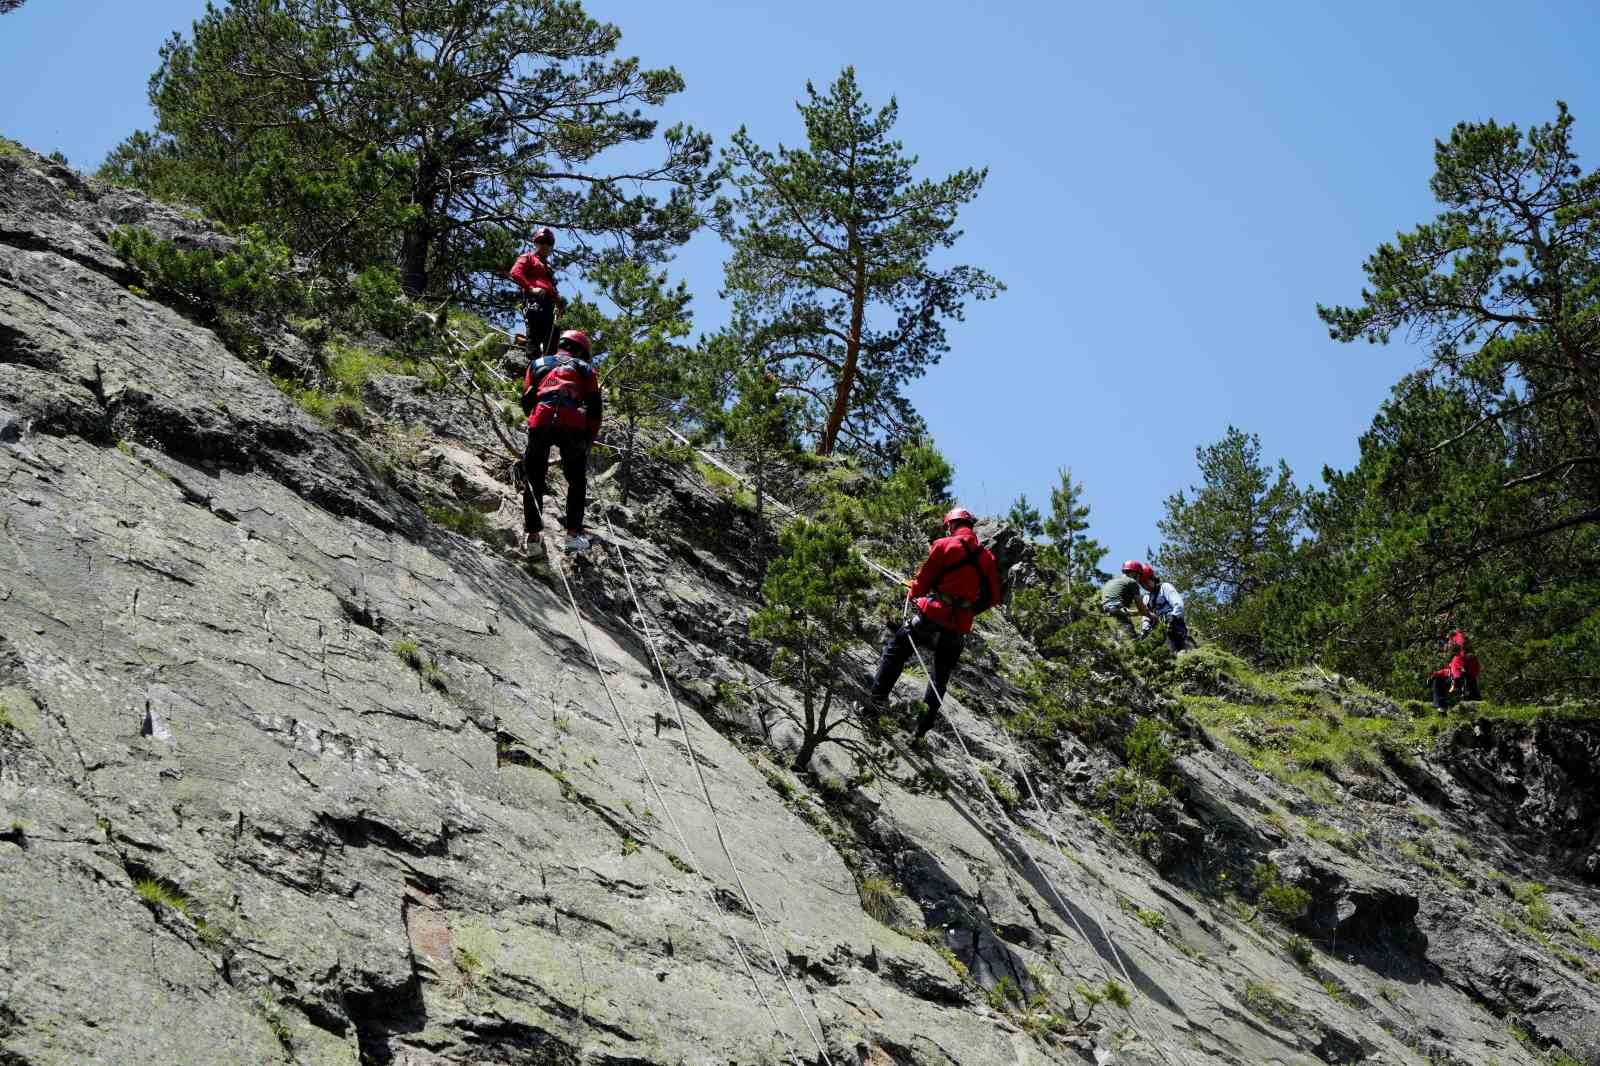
832 252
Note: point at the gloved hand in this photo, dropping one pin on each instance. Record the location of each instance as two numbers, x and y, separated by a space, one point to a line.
1145 626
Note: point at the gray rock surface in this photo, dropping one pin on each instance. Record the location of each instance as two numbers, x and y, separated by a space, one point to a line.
292 774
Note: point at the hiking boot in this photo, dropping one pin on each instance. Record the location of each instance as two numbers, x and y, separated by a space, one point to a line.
577 542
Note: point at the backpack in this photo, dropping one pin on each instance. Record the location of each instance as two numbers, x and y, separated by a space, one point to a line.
970 557
562 387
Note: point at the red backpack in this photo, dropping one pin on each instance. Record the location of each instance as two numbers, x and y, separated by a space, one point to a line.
560 386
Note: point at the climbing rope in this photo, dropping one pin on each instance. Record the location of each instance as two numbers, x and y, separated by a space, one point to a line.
693 861
1021 838
971 762
1116 952
705 791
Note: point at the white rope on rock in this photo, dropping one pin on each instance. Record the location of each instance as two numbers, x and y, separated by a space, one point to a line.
692 860
705 791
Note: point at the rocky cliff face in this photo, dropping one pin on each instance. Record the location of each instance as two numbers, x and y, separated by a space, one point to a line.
290 773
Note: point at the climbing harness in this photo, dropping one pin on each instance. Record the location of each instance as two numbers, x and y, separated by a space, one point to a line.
705 791
677 828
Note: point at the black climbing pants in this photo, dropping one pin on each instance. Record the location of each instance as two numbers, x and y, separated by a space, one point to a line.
1467 687
945 648
540 321
574 446
1177 633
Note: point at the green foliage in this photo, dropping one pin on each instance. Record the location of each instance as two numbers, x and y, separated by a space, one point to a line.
877 898
410 653
1231 538
812 602
257 276
1153 920
1067 529
831 248
762 424
158 893
1110 992
1284 902
468 521
1052 613
1131 796
902 511
1025 518
1473 502
1005 993
637 349
1146 749
364 132
255 282
1536 910
1300 950
1001 789
1262 999
956 965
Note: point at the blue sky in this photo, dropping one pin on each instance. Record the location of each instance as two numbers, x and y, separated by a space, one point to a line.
1172 189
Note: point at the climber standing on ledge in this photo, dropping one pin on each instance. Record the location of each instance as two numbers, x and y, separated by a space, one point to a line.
532 272
1459 677
957 582
561 397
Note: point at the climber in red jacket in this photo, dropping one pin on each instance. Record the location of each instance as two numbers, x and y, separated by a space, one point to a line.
561 397
958 581
532 272
1461 675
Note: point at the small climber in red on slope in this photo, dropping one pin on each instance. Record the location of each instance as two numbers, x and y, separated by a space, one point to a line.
957 582
532 272
1461 675
561 397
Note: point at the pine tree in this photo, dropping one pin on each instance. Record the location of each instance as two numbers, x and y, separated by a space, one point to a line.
1234 537
762 425
638 355
830 251
1504 280
904 509
1025 517
814 596
1066 527
433 135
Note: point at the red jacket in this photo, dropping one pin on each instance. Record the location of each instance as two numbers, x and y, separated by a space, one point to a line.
532 272
1462 664
566 393
958 581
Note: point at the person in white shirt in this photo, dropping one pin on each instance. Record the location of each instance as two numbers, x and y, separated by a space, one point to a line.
1166 605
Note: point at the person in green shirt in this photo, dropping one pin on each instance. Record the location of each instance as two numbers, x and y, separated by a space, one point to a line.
1120 596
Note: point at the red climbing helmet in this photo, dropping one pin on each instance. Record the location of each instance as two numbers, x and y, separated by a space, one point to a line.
1133 568
545 235
575 339
959 515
